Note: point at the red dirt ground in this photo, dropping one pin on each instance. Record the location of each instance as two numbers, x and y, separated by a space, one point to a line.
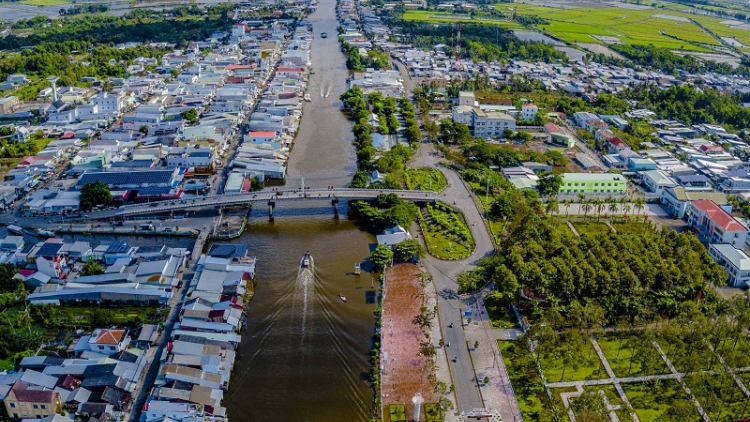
404 371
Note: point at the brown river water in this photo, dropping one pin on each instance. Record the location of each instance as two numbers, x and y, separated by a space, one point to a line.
304 354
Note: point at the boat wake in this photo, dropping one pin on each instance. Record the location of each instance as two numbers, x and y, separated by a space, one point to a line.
305 288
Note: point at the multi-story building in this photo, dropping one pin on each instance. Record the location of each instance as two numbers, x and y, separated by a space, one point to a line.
23 402
489 124
605 184
734 260
714 225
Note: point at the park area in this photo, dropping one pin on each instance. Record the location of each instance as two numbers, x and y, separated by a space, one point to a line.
406 352
578 381
445 232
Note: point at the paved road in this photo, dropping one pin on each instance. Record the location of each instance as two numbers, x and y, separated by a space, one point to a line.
445 274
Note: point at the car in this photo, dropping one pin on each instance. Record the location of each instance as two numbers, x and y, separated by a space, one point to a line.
153 204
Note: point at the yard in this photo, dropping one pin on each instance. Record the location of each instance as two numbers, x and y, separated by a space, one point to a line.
631 355
661 401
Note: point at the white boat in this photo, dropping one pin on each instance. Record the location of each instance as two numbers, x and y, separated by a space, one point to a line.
306 261
15 229
307 97
45 233
342 297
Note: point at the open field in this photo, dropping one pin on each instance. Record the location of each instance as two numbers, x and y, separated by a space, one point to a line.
446 17
425 179
43 2
601 24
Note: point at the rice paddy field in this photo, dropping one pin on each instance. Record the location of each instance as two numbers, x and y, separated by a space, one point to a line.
447 17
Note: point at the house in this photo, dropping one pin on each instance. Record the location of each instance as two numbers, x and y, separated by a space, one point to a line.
393 235
714 225
25 402
616 145
50 259
528 112
734 260
466 98
677 200
657 180
556 135
593 184
641 164
108 341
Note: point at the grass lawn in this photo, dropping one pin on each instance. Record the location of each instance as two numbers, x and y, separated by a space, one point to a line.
631 227
653 402
621 347
44 2
397 413
445 232
524 378
500 315
721 398
682 358
591 228
425 179
586 366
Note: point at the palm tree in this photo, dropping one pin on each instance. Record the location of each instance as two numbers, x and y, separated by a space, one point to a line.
627 208
566 203
601 205
586 208
639 204
613 205
552 206
581 198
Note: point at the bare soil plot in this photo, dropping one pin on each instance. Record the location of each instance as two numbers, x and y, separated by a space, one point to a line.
405 369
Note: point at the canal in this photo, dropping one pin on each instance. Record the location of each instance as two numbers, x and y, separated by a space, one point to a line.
323 153
304 356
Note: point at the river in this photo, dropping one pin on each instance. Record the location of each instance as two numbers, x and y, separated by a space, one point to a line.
323 153
304 356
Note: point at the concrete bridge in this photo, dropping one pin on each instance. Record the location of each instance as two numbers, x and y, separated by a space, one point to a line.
271 197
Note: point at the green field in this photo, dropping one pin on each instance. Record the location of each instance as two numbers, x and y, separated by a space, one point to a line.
43 2
630 355
446 17
675 31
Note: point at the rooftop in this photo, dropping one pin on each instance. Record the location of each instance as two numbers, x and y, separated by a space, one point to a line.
720 217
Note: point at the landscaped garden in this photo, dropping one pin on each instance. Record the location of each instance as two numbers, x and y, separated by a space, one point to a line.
661 401
425 179
631 354
397 413
432 412
591 228
445 232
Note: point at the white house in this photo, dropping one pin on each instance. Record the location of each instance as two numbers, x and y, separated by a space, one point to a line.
108 341
734 260
528 112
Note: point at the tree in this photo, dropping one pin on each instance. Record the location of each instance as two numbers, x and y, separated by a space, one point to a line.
191 116
407 250
549 184
143 129
93 194
91 267
381 256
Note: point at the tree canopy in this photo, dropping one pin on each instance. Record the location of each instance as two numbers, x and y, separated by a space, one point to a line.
93 194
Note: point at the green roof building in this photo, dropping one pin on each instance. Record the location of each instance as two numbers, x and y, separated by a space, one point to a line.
604 184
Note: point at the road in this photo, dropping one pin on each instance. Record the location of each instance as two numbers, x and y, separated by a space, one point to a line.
445 274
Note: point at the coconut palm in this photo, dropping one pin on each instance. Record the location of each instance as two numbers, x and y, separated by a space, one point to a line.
600 206
552 207
566 203
627 208
613 205
581 198
586 208
639 204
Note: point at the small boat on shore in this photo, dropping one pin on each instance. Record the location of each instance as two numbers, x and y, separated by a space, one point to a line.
306 262
45 233
15 229
342 297
307 98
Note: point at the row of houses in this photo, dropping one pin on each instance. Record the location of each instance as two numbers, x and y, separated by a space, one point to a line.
195 372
